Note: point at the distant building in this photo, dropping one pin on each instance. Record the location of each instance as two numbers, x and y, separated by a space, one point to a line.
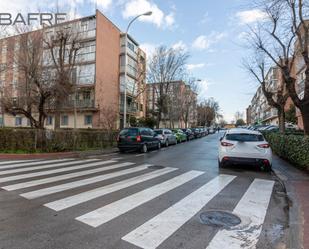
181 111
99 74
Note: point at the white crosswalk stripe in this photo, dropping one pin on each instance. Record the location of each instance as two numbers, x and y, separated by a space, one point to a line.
252 210
113 210
32 163
54 171
12 171
75 184
155 231
98 192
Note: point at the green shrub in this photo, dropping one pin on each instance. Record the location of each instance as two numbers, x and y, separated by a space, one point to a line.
32 140
293 148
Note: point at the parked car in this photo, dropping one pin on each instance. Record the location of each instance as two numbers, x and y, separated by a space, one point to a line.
189 133
180 135
211 130
166 137
242 146
196 132
141 139
203 131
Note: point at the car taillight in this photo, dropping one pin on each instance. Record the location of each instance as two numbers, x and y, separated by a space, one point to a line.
138 138
264 146
226 144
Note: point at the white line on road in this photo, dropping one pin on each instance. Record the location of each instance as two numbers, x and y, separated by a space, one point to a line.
53 179
139 155
152 233
99 192
117 208
49 172
11 171
87 181
252 207
33 163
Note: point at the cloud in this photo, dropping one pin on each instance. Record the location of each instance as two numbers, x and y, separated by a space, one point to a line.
133 8
104 4
195 66
148 48
203 86
204 42
251 16
180 45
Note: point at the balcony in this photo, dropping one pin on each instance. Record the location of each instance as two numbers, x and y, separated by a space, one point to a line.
130 109
87 104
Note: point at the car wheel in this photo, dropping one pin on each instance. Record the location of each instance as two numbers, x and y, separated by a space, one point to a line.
144 148
122 151
166 143
159 145
267 168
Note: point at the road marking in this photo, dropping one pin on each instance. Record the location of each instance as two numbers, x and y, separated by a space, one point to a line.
117 208
252 207
52 179
98 192
17 161
139 155
75 184
11 171
32 163
49 172
152 233
116 158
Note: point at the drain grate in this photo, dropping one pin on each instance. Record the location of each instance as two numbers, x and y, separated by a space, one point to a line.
219 219
156 167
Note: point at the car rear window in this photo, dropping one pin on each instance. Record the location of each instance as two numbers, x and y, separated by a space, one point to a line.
159 132
129 132
244 137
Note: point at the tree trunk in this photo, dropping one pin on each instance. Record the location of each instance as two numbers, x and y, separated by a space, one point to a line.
281 116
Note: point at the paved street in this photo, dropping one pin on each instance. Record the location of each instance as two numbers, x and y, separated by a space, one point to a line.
133 200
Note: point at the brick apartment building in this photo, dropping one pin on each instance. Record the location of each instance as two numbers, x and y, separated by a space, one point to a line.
182 99
99 73
259 111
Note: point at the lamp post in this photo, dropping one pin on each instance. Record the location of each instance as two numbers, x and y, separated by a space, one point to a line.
125 66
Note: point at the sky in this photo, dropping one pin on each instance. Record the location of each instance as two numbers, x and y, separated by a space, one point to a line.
212 32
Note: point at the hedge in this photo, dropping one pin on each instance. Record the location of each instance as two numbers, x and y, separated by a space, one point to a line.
293 148
33 140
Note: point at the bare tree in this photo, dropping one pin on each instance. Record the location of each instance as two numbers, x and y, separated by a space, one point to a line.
63 46
284 39
276 97
166 66
108 121
207 112
32 88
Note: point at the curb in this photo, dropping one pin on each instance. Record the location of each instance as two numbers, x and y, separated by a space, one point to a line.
294 232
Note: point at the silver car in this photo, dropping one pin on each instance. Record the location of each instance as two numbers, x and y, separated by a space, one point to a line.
166 136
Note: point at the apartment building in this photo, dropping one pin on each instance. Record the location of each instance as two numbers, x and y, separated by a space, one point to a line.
98 75
181 104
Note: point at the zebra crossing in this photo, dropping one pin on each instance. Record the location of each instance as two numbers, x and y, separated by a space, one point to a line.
31 177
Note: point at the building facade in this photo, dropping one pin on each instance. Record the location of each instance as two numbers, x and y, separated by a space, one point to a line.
98 75
180 109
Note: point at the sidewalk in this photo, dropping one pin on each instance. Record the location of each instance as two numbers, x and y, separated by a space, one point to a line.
4 156
297 187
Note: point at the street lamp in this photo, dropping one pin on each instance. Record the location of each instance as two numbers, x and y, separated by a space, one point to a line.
125 66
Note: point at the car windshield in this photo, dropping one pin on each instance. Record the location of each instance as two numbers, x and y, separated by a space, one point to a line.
129 132
242 137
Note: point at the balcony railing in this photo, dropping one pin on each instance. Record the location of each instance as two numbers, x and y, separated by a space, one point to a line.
130 109
85 103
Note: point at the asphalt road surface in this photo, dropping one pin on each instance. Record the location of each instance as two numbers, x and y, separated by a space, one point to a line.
154 200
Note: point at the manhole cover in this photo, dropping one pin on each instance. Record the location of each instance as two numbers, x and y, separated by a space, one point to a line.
156 167
219 218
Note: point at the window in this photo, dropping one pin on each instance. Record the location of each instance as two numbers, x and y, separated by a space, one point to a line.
88 119
129 132
244 137
18 121
131 46
64 120
1 121
86 74
86 95
49 120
